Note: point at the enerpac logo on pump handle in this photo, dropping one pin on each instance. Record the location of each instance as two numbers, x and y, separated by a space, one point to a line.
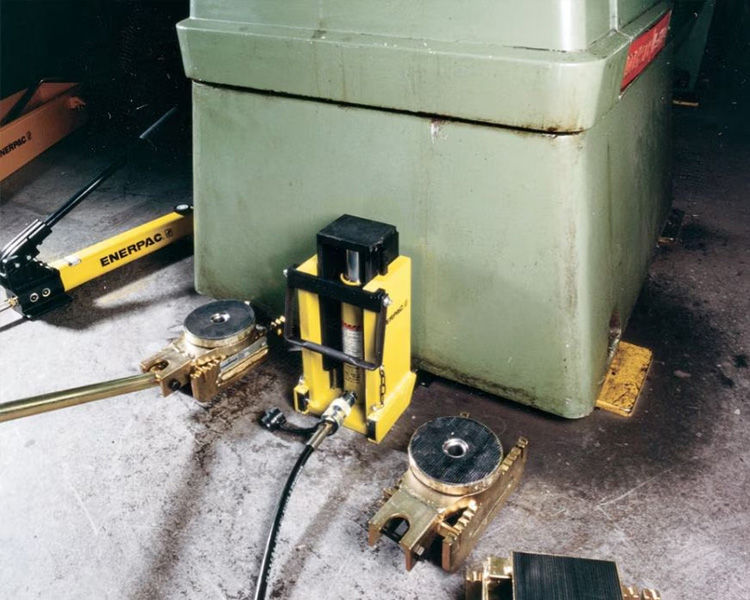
131 249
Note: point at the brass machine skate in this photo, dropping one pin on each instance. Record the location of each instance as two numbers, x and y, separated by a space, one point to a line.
220 343
456 483
526 576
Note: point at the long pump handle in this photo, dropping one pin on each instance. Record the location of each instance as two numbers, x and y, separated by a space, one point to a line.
25 246
34 405
81 194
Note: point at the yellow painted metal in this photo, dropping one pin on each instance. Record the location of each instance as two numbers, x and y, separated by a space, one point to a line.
383 410
625 379
375 414
108 255
317 386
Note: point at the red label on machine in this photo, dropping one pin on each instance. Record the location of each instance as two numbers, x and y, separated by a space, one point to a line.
644 49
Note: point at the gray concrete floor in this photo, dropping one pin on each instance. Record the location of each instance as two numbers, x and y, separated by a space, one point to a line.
144 497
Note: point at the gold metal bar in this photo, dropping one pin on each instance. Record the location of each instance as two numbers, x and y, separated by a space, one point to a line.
26 407
688 103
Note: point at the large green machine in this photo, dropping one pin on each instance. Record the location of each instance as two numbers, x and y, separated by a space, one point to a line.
528 186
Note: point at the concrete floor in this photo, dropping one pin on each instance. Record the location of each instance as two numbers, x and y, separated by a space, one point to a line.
143 497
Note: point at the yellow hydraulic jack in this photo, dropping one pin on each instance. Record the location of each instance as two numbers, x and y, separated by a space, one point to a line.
34 287
354 300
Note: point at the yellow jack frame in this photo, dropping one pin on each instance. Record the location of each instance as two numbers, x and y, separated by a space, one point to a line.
389 388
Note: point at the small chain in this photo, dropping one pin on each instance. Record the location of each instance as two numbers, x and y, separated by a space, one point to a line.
382 384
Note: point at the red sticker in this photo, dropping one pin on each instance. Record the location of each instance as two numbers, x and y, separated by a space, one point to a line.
644 49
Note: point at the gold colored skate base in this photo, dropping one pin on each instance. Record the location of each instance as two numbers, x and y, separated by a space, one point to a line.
458 519
212 358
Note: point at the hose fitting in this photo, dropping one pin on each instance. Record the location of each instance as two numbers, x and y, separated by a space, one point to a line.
333 417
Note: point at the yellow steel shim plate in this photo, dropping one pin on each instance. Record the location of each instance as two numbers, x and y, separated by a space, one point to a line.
625 378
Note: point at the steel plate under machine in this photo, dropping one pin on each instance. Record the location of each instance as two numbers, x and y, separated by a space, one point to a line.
521 147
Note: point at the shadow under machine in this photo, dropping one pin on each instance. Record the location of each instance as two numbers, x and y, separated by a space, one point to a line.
521 147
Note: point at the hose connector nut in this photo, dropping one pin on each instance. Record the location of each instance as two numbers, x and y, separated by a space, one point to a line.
339 410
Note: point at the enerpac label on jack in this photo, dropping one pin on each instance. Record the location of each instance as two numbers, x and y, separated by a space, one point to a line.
397 312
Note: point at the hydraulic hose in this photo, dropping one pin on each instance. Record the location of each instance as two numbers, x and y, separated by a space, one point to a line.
330 421
298 430
265 565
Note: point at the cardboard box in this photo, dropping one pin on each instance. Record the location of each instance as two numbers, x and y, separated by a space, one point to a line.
55 110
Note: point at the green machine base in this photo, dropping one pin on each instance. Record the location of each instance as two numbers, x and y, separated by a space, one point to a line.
528 188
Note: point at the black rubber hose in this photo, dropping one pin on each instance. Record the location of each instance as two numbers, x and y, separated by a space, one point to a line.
299 430
265 565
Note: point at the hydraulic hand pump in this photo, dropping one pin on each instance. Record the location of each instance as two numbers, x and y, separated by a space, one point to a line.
34 287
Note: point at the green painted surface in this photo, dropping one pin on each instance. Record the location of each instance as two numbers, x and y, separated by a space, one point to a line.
544 24
489 81
524 243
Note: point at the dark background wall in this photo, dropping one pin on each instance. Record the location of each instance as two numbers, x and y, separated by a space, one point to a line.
125 51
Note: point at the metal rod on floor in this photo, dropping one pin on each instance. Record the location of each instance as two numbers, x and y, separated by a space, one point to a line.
26 407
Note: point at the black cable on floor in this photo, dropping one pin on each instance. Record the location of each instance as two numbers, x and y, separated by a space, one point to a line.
265 565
